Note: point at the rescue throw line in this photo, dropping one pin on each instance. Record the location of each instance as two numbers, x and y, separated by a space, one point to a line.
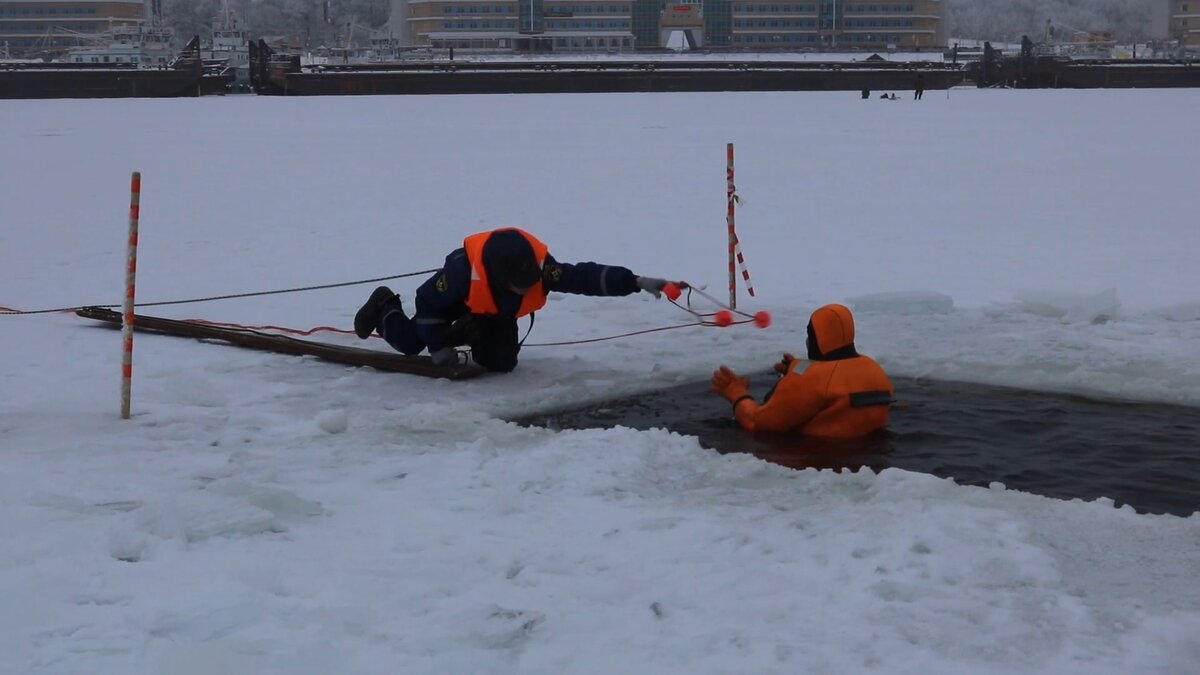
720 318
280 291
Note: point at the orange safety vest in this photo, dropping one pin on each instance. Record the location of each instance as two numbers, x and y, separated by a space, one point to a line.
479 296
843 398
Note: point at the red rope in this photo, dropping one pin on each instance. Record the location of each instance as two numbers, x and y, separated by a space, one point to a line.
703 319
614 337
318 329
702 315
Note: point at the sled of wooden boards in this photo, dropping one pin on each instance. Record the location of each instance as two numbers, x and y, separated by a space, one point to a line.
250 339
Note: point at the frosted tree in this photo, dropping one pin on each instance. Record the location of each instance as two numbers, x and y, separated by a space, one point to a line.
1008 20
314 21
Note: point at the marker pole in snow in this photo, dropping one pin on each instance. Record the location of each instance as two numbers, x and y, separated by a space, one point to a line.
135 198
735 248
729 198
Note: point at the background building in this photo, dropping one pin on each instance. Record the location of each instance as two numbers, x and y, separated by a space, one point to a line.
619 25
397 25
36 27
519 25
1185 22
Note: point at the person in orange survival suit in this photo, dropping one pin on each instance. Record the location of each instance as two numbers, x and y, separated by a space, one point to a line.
841 394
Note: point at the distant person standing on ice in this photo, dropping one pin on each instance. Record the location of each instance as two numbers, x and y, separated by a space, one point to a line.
841 394
481 290
919 88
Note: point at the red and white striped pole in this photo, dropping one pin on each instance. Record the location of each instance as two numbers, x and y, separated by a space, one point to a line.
735 249
135 198
729 198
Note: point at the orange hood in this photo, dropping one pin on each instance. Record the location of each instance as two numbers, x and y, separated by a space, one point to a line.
830 328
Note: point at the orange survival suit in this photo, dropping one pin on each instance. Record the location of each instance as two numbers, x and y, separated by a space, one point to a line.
841 394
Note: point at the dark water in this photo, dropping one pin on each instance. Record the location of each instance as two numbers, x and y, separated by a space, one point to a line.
1144 455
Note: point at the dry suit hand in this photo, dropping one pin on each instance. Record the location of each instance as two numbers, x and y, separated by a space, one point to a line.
784 364
730 385
446 356
652 285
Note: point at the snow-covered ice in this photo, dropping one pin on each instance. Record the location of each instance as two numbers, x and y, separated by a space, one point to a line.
263 513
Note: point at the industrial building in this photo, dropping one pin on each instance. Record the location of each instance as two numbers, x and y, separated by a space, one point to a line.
1184 24
50 27
624 25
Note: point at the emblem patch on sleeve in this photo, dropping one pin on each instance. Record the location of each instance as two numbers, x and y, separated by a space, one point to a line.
441 284
552 273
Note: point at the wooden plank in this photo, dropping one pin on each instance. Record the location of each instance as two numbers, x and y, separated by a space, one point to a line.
354 356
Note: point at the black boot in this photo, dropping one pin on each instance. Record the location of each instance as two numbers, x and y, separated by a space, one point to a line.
367 317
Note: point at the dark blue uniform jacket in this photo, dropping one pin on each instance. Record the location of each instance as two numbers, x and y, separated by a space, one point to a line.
442 298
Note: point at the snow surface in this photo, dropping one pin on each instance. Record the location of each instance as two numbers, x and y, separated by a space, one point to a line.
263 513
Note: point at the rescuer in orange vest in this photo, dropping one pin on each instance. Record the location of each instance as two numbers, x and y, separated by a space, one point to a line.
481 291
840 394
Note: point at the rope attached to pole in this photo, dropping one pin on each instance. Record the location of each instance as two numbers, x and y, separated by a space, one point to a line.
9 311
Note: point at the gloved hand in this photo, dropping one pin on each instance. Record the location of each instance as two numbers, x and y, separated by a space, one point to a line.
730 385
784 364
446 356
653 286
464 331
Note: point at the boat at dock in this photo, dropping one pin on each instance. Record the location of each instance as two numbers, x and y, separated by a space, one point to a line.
183 75
228 51
277 74
142 45
1034 68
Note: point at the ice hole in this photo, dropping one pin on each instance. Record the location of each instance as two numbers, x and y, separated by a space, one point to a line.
1140 454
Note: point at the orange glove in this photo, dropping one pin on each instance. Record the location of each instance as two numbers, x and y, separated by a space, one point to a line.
730 385
784 364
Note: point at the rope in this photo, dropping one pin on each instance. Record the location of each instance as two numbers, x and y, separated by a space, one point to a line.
283 329
331 329
699 290
703 318
6 310
253 330
614 337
